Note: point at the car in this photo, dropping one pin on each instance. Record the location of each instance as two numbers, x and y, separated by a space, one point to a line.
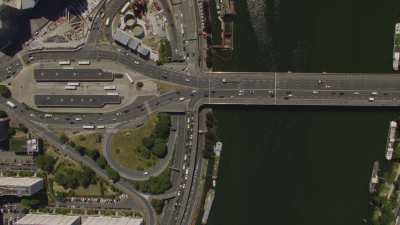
374 93
356 93
187 80
78 119
315 92
146 173
136 62
181 98
371 99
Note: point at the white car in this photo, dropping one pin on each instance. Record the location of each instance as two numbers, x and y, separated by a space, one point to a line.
146 173
315 92
78 119
181 98
136 62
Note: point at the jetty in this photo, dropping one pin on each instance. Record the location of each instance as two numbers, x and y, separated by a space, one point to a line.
374 178
390 140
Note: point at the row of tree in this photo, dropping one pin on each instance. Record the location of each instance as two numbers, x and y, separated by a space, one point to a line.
156 185
156 143
73 178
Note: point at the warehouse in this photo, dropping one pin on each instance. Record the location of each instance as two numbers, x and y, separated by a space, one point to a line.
45 219
112 221
65 75
20 186
76 101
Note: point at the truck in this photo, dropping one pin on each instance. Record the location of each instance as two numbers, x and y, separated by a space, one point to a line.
68 87
112 93
125 7
64 62
129 78
107 22
111 87
100 126
73 84
88 127
84 62
11 104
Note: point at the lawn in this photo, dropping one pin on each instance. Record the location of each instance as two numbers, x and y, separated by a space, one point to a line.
89 141
94 190
125 143
164 87
18 142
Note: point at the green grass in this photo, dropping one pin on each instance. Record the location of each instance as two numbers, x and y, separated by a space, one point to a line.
17 144
88 141
125 143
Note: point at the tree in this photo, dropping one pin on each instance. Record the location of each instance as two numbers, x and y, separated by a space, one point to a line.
45 163
160 148
158 205
63 138
86 177
101 162
80 149
148 142
3 114
67 177
144 152
4 91
139 84
114 175
93 154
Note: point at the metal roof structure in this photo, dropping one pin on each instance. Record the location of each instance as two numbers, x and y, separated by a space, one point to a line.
133 44
76 101
46 219
121 37
19 181
112 221
63 75
143 51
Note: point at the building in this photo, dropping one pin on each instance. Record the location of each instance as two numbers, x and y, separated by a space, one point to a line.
100 220
4 126
32 146
143 51
19 4
20 186
45 219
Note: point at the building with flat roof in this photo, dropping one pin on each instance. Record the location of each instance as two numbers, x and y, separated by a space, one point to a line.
20 186
65 75
46 219
76 101
100 220
32 146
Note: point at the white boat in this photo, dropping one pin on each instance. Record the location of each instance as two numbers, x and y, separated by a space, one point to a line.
396 47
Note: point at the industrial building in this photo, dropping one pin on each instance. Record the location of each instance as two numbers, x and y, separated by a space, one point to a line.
45 219
100 220
131 42
76 101
78 75
20 186
4 126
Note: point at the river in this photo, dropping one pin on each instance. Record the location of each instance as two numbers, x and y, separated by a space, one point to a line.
303 165
313 36
297 165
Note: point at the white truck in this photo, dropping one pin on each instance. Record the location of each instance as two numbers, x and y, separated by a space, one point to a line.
11 104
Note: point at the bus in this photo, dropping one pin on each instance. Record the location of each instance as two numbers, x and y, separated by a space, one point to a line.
129 78
84 62
88 126
123 10
111 87
112 93
11 104
107 22
69 87
64 62
73 84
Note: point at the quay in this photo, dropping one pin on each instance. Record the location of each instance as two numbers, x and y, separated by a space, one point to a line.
374 178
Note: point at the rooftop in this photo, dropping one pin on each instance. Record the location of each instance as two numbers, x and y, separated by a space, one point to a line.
19 181
59 75
84 101
112 221
45 219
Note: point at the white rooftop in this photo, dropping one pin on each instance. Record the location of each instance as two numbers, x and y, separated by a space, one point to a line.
112 221
19 181
45 219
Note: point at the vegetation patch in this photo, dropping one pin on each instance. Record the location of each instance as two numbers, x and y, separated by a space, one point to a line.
155 185
140 148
